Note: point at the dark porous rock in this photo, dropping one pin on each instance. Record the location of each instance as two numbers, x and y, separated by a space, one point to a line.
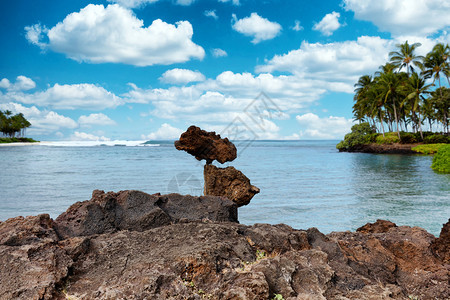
380 226
230 183
383 148
23 231
441 246
199 259
135 210
206 145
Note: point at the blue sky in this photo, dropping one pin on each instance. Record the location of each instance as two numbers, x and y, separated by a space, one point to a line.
148 69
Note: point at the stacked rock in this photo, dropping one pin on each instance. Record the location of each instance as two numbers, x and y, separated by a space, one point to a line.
227 182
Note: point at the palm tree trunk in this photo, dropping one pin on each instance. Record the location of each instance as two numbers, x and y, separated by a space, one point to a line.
396 119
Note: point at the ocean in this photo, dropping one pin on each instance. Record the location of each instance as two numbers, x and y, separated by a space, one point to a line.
303 183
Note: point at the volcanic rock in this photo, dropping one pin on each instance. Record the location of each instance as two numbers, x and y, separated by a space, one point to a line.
230 183
206 145
135 210
441 246
380 226
202 259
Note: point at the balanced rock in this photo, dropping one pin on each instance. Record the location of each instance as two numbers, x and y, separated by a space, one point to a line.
230 183
138 211
206 145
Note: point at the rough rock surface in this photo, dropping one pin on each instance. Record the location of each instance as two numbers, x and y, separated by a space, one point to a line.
202 259
206 145
441 246
230 183
135 210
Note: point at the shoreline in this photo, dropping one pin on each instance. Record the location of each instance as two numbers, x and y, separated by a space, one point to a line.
21 144
375 148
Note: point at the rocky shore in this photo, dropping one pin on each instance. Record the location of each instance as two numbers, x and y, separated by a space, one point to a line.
375 148
132 245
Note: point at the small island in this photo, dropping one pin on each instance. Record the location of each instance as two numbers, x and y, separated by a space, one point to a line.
12 128
399 110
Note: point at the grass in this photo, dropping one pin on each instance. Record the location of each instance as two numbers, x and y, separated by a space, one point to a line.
6 140
441 160
428 149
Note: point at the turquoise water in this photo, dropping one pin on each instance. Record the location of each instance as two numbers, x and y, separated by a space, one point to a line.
303 183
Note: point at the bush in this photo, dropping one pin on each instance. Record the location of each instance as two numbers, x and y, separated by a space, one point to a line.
436 139
388 138
361 134
409 137
441 160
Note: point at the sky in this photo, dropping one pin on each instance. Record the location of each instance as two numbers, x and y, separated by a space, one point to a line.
247 69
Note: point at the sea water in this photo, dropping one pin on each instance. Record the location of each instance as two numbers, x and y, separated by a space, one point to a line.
303 183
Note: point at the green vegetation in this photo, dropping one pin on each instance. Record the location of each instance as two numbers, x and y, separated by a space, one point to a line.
428 149
361 134
16 140
277 297
441 160
13 127
403 100
388 138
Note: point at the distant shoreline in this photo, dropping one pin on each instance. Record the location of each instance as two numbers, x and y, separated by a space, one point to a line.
15 144
375 148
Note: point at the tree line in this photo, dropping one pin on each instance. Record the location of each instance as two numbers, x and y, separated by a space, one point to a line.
13 125
406 93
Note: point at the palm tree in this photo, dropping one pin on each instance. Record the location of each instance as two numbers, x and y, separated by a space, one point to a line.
389 87
436 62
405 57
416 90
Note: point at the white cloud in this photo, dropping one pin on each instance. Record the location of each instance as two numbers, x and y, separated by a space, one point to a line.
165 132
95 119
113 34
185 2
35 34
340 63
75 96
22 83
329 24
181 76
323 128
235 2
211 13
259 28
217 52
403 17
82 136
297 26
42 122
140 3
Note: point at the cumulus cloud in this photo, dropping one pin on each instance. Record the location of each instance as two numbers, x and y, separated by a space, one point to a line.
261 29
140 3
22 83
83 136
234 2
217 52
181 76
339 63
114 35
403 17
165 132
95 119
329 24
211 13
42 121
74 96
330 128
297 26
